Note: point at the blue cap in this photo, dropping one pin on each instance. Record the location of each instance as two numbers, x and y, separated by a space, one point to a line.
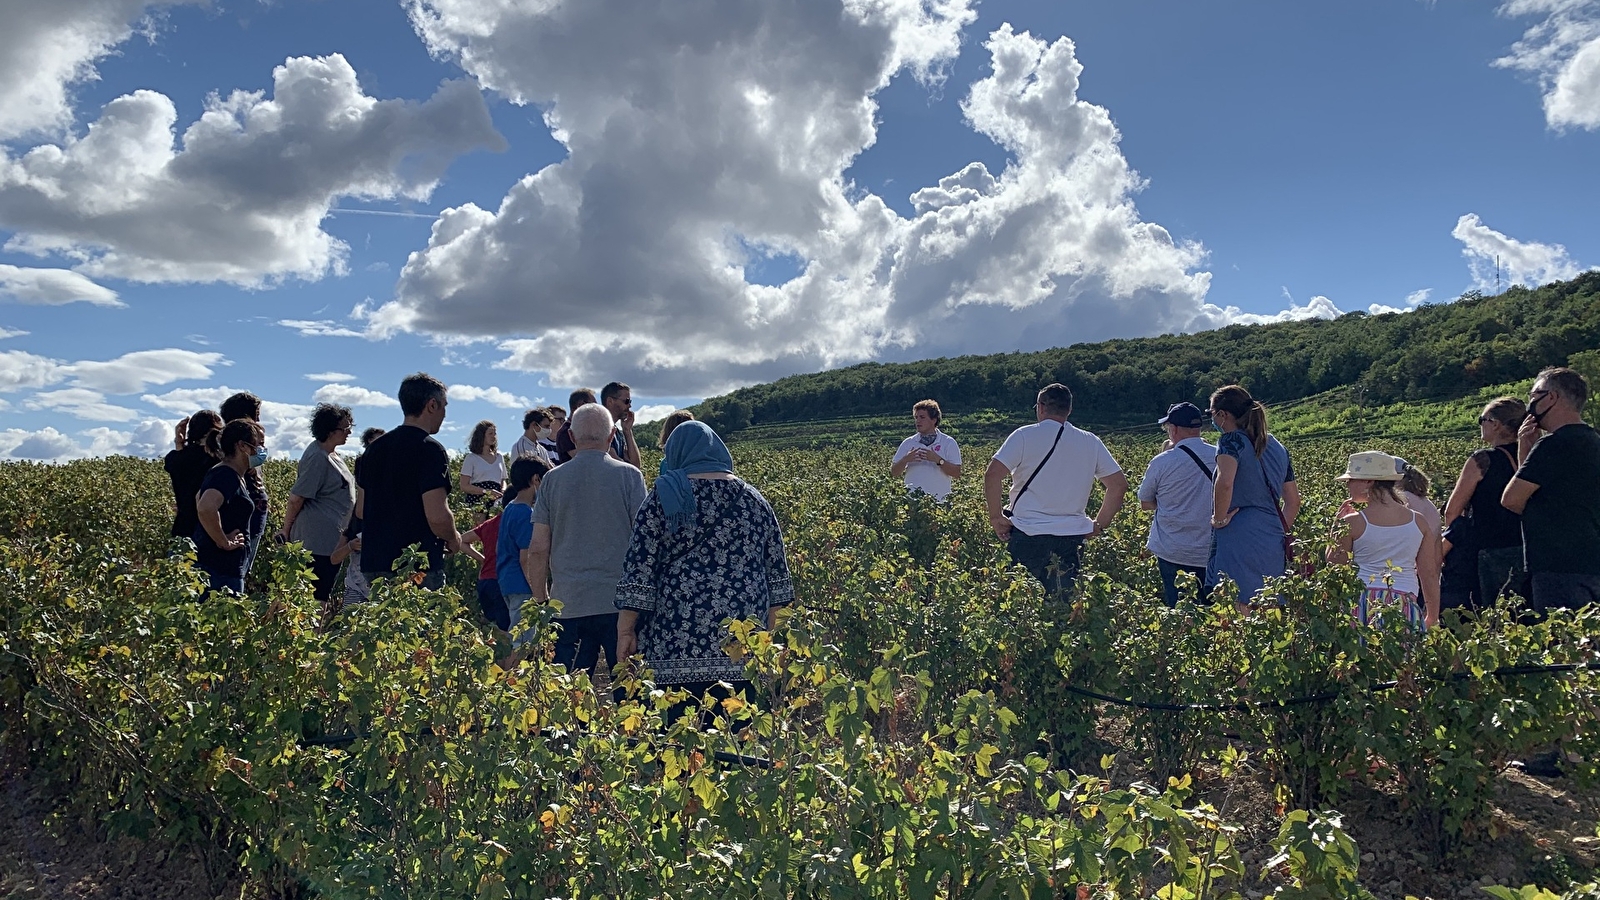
1183 415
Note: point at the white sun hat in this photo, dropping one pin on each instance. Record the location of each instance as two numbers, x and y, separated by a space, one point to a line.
1373 465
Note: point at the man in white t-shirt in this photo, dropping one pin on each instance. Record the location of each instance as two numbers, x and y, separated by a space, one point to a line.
929 459
1177 488
1053 467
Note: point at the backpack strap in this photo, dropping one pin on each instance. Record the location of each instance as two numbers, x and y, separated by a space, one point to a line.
1210 475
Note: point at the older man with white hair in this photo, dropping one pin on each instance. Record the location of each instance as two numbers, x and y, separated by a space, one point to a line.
582 522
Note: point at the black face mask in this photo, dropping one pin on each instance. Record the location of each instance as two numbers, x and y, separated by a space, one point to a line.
1538 417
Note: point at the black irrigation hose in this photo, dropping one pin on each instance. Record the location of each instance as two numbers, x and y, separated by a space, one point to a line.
1245 705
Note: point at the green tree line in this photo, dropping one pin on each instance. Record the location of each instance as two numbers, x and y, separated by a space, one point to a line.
1438 351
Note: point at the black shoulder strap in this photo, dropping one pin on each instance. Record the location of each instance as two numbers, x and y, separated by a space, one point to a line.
1210 476
1029 483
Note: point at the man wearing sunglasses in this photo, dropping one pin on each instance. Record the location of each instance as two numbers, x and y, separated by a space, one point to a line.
617 398
1557 492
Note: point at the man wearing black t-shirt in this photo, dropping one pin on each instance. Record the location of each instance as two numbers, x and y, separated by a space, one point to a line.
1557 492
403 484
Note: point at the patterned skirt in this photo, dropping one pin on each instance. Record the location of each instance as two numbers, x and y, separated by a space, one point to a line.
1376 601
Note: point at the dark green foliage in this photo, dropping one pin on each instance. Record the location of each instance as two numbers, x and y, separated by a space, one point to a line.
1436 352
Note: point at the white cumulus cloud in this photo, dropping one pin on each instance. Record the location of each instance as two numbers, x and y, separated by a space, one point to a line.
1318 307
20 369
52 287
350 395
1527 263
82 403
704 138
241 196
47 46
329 376
1562 50
653 413
46 444
288 425
131 373
491 395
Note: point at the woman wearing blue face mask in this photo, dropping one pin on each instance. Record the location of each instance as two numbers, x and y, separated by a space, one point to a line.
224 506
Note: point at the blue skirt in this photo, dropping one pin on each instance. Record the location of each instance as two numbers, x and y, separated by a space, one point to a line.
1248 551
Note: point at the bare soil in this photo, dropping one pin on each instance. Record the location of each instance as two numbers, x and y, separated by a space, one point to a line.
44 856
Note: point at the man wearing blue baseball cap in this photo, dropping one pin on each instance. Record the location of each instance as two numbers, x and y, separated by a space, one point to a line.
1177 488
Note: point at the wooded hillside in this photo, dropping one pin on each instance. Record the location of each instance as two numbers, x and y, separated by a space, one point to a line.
1438 351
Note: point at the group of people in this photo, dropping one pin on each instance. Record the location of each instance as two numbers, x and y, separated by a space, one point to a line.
1523 518
569 519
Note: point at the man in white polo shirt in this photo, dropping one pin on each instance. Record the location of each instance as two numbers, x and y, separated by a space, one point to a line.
1053 467
1177 488
929 459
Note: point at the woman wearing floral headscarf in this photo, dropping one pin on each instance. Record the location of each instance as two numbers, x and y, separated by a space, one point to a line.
705 549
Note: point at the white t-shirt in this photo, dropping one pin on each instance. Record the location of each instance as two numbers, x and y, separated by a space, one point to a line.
475 468
924 475
526 449
1056 501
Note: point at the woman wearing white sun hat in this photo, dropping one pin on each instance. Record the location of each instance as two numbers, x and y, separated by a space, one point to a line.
1388 542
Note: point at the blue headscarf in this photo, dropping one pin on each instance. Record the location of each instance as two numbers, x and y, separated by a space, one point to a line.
693 449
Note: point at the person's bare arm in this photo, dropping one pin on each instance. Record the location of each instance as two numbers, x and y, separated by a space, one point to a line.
1345 532
1222 491
346 547
1516 495
899 466
209 507
291 511
630 446
436 506
627 640
1291 502
361 503
535 561
994 480
1116 485
1461 494
1428 570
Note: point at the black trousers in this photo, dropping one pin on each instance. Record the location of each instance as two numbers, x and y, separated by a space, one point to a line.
580 639
1051 558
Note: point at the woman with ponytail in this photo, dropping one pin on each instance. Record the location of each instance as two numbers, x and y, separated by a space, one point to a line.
1254 499
224 508
187 467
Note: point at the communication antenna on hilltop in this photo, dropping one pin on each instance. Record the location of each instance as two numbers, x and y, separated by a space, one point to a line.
1497 273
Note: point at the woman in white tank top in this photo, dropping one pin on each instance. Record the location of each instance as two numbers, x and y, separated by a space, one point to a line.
1395 556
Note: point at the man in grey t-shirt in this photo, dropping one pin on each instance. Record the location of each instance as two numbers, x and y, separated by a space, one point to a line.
582 523
1177 488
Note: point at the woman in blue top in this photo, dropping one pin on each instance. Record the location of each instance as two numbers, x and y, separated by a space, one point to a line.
224 506
1254 476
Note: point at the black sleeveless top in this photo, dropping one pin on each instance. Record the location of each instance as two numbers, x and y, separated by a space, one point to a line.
1493 525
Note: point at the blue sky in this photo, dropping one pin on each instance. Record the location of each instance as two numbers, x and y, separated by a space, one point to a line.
689 199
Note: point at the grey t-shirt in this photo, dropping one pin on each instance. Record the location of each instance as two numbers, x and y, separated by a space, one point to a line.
330 495
589 504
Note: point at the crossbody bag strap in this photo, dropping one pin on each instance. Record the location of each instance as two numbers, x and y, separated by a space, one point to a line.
1277 505
1029 483
1210 476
